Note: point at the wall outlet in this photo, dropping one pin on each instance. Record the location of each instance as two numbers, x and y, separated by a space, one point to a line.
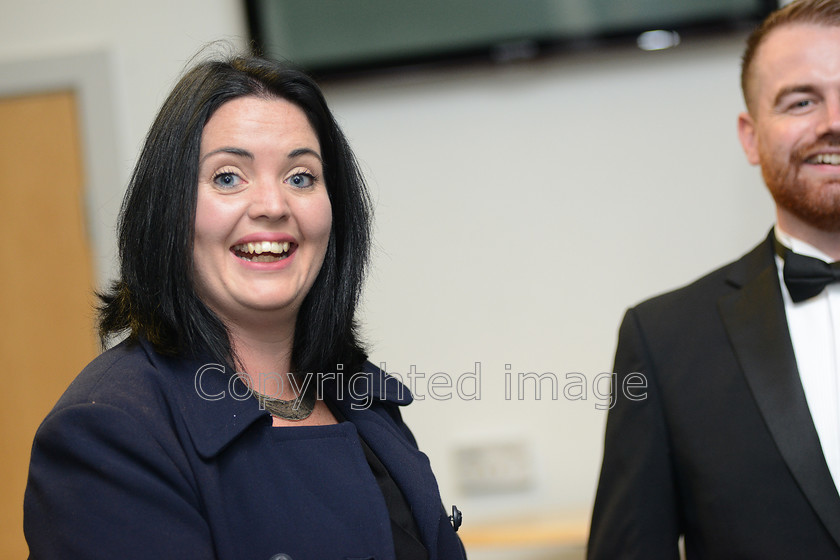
494 467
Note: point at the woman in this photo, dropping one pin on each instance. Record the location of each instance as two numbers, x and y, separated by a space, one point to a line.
244 237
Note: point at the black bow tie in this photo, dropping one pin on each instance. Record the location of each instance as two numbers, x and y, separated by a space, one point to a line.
805 276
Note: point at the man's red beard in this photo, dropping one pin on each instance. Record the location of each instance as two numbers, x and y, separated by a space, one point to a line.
815 201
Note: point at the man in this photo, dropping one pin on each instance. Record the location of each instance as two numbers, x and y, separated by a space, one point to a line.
737 446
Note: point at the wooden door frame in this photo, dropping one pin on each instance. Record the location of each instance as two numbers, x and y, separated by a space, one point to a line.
90 76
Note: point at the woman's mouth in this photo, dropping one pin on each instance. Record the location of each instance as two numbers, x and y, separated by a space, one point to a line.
263 251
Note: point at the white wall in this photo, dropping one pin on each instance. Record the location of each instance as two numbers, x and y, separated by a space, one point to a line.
520 210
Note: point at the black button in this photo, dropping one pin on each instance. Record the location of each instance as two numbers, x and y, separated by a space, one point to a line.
456 518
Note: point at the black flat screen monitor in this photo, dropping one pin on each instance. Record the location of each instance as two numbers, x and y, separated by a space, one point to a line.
332 38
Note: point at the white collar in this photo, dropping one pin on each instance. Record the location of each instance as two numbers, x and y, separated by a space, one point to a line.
798 246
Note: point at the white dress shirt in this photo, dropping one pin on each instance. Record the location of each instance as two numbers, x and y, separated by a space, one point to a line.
814 326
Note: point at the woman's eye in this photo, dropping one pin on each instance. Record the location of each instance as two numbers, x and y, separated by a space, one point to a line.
301 180
227 180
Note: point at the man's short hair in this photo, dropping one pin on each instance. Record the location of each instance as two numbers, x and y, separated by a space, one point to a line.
819 12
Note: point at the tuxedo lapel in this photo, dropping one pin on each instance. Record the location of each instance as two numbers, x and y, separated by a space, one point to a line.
754 317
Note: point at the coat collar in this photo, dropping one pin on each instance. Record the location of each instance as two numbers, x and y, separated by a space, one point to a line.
217 407
754 317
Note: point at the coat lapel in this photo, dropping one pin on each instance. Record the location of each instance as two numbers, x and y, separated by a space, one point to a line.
408 466
754 317
411 471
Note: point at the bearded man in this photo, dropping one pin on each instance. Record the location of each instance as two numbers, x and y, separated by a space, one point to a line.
736 449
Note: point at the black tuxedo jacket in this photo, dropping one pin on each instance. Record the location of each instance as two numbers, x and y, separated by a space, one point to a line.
723 450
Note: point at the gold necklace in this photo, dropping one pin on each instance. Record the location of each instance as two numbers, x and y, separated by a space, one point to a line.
293 409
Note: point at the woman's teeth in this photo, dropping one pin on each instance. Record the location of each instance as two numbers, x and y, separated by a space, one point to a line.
262 251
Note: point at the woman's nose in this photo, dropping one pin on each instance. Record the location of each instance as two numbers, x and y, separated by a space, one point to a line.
269 201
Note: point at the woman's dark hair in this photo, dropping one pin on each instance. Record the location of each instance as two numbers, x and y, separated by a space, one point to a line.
155 297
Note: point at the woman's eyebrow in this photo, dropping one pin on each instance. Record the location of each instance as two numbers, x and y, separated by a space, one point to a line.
305 151
245 153
228 150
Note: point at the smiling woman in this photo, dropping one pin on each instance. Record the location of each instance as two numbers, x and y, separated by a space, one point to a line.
244 238
263 219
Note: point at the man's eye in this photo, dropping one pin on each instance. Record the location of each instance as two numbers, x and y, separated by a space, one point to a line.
800 104
301 180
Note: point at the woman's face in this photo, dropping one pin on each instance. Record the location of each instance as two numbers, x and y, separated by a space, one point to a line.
263 217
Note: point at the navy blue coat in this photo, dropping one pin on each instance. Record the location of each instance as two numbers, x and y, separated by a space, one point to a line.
135 461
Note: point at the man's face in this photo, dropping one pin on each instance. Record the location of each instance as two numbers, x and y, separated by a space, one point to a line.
793 129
